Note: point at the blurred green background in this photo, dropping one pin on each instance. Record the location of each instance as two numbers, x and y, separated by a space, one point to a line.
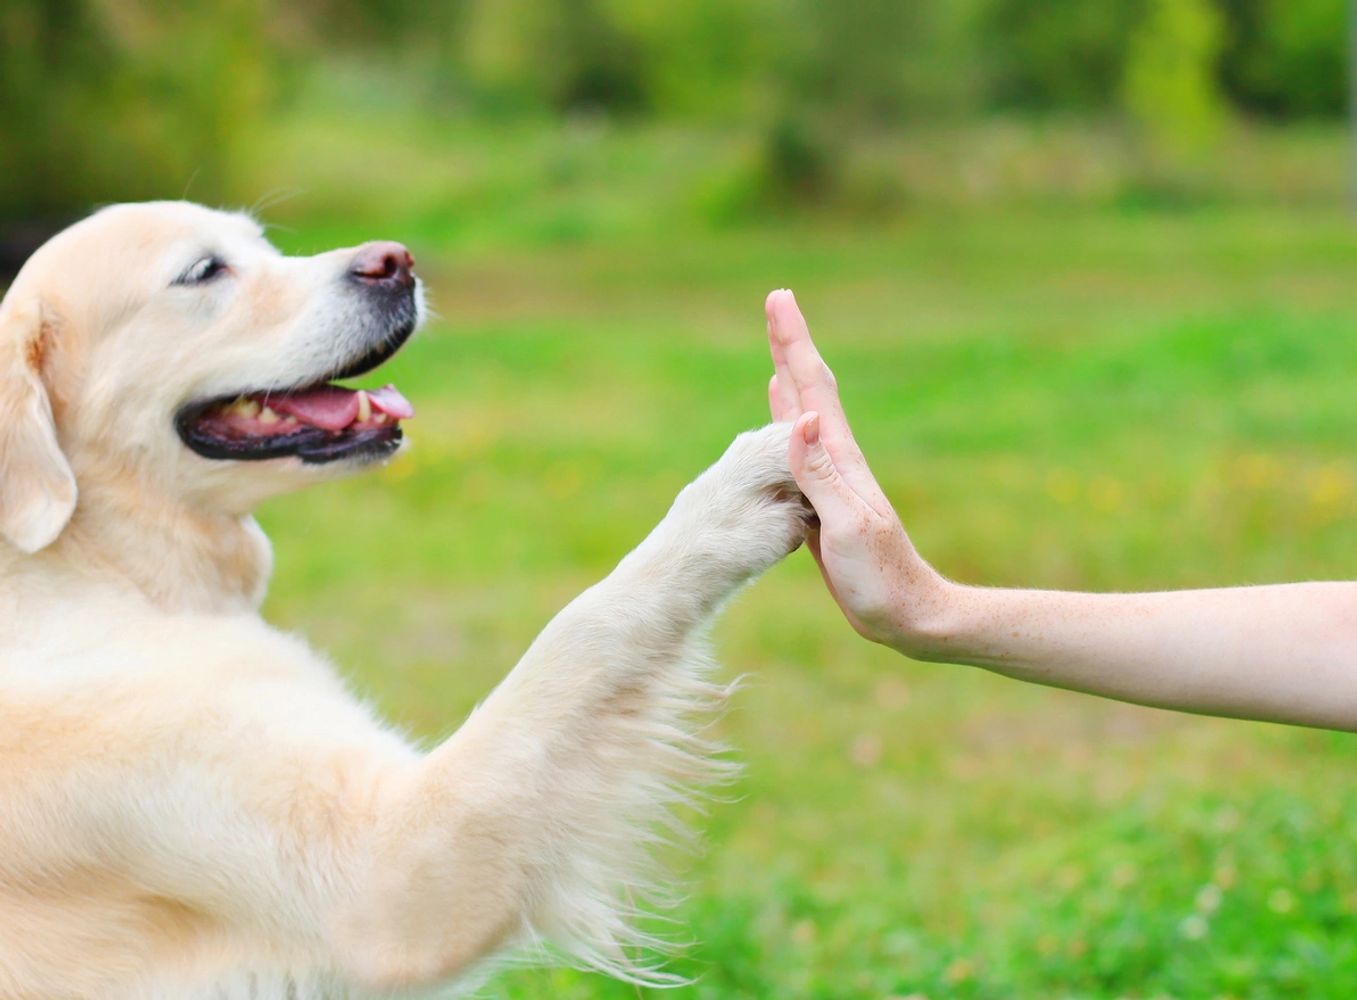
1085 271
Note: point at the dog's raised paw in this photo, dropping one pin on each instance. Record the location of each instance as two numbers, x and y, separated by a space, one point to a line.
751 500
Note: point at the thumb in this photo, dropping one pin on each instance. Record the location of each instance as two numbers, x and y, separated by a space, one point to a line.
815 472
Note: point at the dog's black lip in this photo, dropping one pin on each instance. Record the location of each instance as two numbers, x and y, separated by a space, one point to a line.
312 444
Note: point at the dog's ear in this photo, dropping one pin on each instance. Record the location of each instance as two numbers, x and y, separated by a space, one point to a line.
37 487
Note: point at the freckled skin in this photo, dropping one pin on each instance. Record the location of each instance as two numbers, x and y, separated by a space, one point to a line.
1280 653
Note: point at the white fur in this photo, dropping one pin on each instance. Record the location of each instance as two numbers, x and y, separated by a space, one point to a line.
191 803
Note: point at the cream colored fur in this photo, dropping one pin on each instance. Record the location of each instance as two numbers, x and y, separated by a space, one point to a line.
191 803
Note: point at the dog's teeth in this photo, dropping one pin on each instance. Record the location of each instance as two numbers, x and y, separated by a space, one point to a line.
267 416
379 418
364 407
289 419
246 407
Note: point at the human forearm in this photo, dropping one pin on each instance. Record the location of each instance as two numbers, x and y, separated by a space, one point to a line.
1285 653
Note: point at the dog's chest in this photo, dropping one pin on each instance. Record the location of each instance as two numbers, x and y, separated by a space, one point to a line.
247 985
277 985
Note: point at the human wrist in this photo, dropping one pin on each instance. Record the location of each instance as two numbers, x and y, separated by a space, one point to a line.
930 624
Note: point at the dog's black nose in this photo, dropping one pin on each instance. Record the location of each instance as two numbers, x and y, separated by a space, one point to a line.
383 263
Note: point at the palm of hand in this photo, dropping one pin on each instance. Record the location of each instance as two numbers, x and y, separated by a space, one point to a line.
868 562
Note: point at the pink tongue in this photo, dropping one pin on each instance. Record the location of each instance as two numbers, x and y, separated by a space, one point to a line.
333 408
388 400
327 406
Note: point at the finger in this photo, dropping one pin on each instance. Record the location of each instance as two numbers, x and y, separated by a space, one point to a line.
816 474
782 398
789 404
810 376
817 390
777 405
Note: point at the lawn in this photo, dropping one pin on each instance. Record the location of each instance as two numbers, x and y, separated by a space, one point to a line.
1097 396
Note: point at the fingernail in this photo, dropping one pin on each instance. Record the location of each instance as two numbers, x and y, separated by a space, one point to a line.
811 433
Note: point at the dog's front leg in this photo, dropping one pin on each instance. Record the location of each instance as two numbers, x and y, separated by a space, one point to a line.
533 820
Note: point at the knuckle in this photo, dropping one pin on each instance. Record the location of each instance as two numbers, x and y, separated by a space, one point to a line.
820 465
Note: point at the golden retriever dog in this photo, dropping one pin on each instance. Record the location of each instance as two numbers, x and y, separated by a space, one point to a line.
191 803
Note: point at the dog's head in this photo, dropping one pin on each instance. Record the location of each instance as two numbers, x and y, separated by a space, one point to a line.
173 343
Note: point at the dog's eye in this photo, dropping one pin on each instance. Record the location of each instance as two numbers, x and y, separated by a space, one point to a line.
202 271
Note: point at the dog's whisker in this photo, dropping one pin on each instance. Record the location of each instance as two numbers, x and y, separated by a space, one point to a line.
273 198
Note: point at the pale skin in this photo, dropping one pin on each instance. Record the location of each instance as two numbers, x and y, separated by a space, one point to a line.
1279 653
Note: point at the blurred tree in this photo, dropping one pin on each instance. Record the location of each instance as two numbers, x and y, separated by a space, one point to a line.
878 62
706 59
1286 58
1170 87
47 46
567 55
124 98
110 99
1045 55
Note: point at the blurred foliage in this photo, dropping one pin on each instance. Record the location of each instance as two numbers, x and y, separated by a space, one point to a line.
1170 88
111 99
1054 55
1285 58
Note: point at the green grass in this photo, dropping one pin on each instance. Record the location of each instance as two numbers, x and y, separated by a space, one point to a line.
1053 396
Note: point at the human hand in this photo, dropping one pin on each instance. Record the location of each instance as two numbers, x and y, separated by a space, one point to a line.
884 587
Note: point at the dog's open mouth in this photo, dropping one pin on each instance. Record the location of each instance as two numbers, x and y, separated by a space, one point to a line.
319 423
